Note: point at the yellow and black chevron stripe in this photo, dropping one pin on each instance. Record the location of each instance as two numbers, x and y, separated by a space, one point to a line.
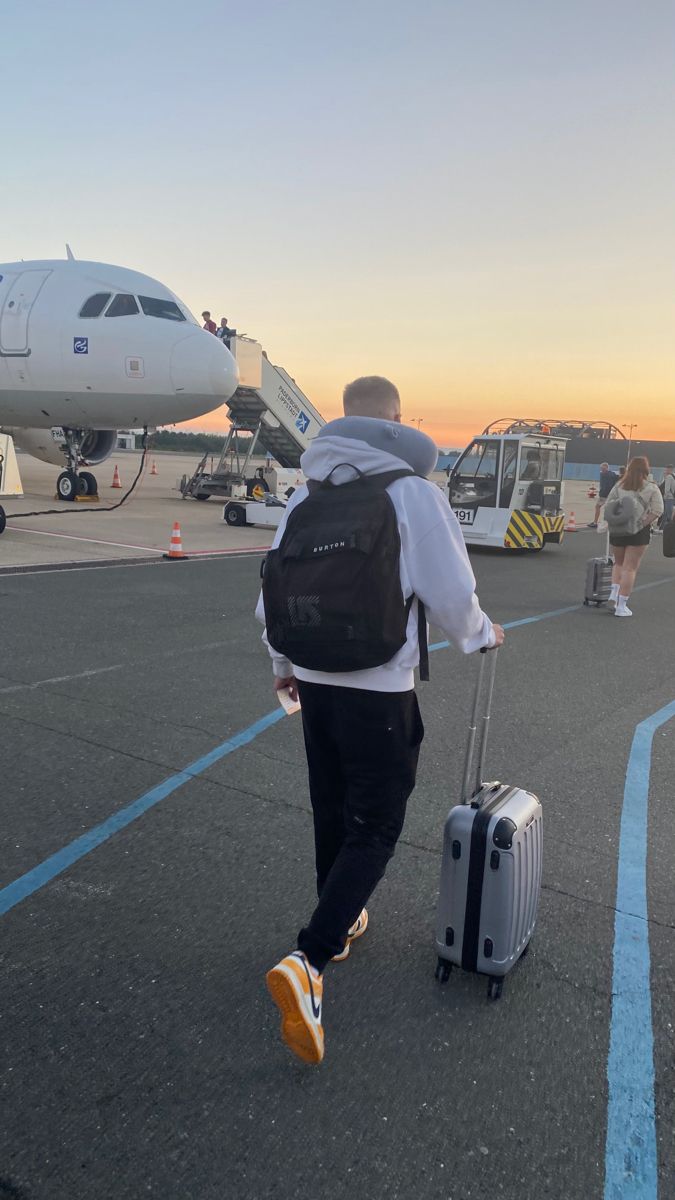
526 530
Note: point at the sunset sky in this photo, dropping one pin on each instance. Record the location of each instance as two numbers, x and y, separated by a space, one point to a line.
473 197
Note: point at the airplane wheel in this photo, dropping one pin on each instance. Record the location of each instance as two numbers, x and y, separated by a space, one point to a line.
87 484
202 495
3 520
67 485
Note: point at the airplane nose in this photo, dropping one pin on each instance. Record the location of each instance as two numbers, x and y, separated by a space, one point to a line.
224 372
202 366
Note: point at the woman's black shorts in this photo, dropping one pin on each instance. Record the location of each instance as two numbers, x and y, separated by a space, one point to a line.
641 538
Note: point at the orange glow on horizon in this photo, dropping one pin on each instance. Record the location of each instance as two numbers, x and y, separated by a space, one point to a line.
455 424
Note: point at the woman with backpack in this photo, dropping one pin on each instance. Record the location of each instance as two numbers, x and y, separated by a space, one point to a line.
633 506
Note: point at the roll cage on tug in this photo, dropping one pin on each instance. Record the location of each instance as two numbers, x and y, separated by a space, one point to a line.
506 490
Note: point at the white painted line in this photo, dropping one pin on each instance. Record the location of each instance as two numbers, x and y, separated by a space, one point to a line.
74 537
27 687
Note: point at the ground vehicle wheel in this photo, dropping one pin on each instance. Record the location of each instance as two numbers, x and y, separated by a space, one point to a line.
202 495
67 485
87 484
235 515
3 520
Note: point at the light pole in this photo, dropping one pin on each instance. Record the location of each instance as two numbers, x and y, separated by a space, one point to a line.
417 421
630 429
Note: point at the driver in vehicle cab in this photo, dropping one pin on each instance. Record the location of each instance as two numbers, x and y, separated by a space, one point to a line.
532 468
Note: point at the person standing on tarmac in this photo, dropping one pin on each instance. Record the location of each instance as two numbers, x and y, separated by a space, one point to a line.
628 548
362 728
608 479
668 494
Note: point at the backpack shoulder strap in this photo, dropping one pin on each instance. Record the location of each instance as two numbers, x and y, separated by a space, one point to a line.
375 482
382 481
422 640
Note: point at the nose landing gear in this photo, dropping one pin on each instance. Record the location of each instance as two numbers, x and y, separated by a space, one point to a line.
73 482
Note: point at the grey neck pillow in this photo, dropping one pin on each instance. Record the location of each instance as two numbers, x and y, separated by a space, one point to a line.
413 446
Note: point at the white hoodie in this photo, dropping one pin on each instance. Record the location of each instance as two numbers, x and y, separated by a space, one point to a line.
434 565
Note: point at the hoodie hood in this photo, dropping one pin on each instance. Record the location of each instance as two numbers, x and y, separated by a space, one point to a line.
327 453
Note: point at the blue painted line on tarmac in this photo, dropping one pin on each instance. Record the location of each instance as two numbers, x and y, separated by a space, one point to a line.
47 870
631 1165
556 612
33 880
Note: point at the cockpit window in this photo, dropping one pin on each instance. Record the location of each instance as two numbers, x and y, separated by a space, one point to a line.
93 307
123 306
168 309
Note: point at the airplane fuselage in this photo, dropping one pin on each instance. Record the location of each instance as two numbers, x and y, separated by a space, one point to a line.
87 345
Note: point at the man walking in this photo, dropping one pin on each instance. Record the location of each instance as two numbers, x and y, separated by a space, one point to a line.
607 480
362 726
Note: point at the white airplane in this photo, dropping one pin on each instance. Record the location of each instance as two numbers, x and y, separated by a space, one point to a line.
87 349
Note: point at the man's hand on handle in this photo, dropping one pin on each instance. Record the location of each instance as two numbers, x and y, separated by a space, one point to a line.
291 683
498 631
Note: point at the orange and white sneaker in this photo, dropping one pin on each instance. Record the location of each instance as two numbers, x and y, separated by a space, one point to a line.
358 928
298 995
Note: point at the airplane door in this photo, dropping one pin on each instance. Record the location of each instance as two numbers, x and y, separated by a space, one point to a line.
16 310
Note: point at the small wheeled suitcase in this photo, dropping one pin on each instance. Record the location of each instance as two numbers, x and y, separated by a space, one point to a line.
669 539
599 578
491 866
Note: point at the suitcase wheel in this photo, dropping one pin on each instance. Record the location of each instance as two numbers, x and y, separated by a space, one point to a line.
443 970
495 986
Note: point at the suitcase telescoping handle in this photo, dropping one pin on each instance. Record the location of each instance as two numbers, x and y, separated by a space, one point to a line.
473 775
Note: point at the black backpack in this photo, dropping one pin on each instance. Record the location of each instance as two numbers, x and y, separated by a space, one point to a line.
332 588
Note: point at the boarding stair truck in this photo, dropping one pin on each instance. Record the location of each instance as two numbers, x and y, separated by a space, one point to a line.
506 490
269 405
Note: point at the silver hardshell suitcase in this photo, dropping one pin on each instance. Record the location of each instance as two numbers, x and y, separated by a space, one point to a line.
491 866
599 578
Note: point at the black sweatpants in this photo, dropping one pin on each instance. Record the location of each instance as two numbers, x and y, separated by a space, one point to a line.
362 750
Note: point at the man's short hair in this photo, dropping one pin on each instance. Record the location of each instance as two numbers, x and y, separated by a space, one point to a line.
669 466
206 314
605 465
372 396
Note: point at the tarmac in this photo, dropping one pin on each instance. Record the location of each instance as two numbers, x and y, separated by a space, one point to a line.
158 859
80 534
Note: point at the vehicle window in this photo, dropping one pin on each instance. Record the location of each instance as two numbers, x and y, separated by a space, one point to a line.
93 307
473 481
551 463
480 461
123 306
509 473
167 309
530 463
544 463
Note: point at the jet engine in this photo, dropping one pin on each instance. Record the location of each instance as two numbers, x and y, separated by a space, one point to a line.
50 445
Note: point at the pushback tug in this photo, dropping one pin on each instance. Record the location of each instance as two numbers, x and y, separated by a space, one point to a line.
506 489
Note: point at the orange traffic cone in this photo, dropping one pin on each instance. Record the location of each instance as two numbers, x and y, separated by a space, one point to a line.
175 545
117 482
571 526
153 469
